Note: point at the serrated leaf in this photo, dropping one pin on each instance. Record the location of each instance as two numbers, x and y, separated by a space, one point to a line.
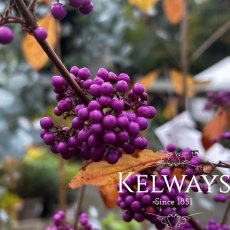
103 173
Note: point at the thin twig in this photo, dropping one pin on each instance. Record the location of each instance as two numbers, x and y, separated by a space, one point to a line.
78 206
31 26
32 5
207 43
225 217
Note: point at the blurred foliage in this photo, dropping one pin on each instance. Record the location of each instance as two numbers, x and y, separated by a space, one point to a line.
37 175
110 222
8 202
42 165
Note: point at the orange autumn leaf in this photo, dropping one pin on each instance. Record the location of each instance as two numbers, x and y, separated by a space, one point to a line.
174 10
34 54
148 80
215 127
103 173
178 172
109 194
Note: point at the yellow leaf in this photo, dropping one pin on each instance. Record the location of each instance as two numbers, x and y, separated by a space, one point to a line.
34 54
170 109
177 82
174 10
148 80
143 5
103 173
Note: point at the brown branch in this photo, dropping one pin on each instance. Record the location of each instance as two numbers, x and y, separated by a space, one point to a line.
78 207
215 36
31 25
184 54
217 165
225 217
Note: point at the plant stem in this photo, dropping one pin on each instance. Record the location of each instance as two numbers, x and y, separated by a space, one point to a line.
194 224
31 25
225 217
78 206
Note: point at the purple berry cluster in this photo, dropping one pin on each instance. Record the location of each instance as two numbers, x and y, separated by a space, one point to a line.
85 222
59 12
105 128
142 206
58 221
84 6
6 35
191 164
215 100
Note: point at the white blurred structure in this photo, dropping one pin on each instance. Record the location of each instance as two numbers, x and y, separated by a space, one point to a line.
217 75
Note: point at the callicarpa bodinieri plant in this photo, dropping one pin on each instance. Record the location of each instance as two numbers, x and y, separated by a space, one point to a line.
106 119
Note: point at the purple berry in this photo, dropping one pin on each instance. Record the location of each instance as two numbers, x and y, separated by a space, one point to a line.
84 73
109 121
74 70
58 11
124 77
110 137
142 122
40 33
86 8
138 89
133 129
112 157
106 89
6 35
117 105
96 116
140 143
76 3
46 123
103 73
49 138
94 90
122 122
171 147
122 86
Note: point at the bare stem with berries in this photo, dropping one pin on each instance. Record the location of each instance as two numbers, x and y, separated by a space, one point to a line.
31 25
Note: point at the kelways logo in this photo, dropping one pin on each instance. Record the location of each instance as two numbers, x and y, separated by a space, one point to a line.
161 194
174 182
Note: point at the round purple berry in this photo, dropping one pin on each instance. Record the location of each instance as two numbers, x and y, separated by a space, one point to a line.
6 35
58 11
40 33
46 123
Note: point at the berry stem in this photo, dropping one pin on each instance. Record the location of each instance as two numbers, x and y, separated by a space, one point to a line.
78 206
194 224
32 25
225 217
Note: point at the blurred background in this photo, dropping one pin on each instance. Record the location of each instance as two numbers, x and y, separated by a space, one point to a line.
178 52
